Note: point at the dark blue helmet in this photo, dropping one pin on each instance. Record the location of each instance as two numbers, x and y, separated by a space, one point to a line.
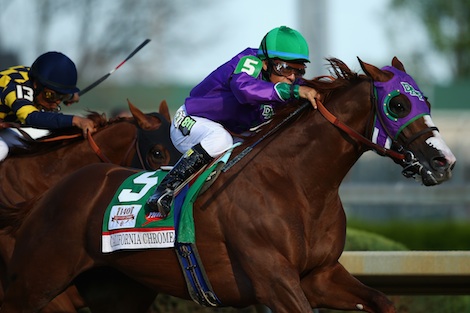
55 71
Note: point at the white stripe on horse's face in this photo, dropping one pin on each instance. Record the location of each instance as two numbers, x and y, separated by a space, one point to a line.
437 142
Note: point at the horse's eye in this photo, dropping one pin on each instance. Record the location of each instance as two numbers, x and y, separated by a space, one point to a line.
157 154
398 108
397 105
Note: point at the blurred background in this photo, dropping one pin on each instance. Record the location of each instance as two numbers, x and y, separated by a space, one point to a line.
189 39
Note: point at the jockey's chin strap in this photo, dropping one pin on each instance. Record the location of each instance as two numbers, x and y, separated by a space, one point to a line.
359 137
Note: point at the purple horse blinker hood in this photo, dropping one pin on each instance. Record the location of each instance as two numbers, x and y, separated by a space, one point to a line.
388 126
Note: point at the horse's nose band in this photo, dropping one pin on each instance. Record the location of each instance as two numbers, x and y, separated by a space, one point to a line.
419 134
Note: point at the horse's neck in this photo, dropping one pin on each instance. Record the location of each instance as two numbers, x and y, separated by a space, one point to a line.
320 154
309 159
26 177
116 140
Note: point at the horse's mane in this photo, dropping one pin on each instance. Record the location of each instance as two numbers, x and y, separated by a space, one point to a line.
60 137
341 77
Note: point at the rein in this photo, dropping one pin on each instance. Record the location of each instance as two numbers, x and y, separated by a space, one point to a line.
354 134
248 149
105 159
411 165
94 146
97 149
333 120
407 157
91 141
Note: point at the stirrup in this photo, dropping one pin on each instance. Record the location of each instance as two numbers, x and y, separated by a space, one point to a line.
161 203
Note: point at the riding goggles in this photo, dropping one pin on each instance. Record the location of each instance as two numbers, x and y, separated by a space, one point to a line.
52 96
283 69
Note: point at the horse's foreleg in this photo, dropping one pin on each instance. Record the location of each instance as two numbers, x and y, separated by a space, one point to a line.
106 290
68 301
20 297
277 286
30 295
336 288
37 274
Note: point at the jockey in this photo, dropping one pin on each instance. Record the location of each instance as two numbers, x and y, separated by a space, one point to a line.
240 94
31 96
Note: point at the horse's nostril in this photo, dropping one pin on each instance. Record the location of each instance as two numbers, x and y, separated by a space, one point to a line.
439 163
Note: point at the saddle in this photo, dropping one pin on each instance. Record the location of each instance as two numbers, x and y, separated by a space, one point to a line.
129 224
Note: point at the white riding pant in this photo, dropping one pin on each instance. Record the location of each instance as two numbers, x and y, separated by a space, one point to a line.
211 135
8 138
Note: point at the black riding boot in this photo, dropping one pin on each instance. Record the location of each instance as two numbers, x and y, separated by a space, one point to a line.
191 162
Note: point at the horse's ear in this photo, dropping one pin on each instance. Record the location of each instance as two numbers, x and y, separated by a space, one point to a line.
164 111
145 122
397 64
367 68
374 72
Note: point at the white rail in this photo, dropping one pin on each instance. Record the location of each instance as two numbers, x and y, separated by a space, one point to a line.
411 272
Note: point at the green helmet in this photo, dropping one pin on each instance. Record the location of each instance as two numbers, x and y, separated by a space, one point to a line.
284 43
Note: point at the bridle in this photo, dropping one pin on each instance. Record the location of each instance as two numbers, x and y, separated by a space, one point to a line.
103 157
97 150
411 165
354 134
401 155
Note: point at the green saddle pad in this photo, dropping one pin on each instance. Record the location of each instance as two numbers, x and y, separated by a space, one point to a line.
129 224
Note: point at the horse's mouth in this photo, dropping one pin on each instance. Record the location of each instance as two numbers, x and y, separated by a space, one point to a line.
435 173
430 178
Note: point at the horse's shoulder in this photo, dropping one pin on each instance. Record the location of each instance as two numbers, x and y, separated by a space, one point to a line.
102 171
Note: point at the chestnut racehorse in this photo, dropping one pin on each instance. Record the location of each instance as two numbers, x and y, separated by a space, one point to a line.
29 172
271 228
141 141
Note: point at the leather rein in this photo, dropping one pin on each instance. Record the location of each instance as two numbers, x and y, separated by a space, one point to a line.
411 165
94 146
407 159
354 134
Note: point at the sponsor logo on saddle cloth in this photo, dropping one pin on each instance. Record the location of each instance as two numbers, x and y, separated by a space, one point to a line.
128 223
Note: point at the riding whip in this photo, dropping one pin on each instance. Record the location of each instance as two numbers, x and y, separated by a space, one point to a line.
99 81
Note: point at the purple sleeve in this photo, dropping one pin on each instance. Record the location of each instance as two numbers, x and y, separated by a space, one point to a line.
248 89
237 101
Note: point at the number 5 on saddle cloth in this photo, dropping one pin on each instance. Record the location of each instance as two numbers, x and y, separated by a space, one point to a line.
129 224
